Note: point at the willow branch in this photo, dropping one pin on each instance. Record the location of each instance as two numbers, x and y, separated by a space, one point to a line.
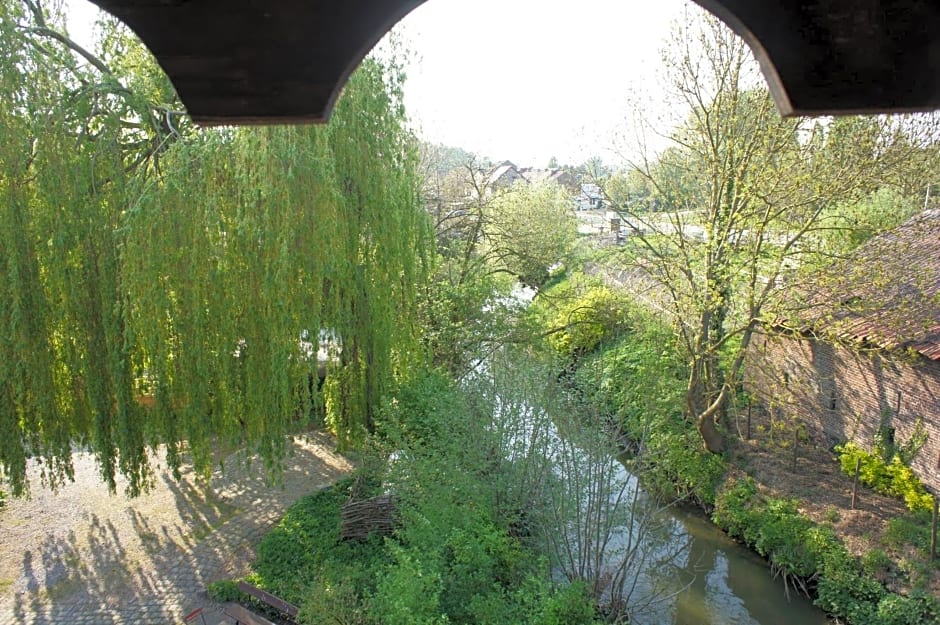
45 31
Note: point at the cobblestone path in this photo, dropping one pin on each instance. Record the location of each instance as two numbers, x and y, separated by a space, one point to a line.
84 557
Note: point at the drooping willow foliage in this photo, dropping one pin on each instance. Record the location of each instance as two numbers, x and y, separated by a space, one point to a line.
182 304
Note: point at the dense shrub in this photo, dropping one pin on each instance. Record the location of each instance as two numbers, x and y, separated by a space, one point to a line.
733 507
581 316
570 605
793 544
452 558
909 530
810 553
225 590
455 559
892 478
420 411
640 382
409 591
306 543
673 462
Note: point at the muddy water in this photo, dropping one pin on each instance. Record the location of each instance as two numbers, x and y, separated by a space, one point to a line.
728 584
712 580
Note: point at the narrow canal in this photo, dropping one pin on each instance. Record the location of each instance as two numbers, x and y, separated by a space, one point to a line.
665 564
715 581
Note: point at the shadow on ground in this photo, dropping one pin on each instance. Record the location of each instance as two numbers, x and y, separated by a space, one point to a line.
147 560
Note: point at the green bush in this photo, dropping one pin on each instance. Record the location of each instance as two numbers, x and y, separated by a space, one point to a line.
583 320
892 478
846 593
898 610
876 563
409 591
479 560
774 528
225 590
733 511
675 461
334 601
420 411
306 543
451 559
911 530
779 536
571 605
641 380
796 546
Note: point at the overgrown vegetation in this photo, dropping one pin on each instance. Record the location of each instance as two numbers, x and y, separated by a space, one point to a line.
577 314
165 287
639 381
635 377
626 366
464 550
892 477
501 485
812 559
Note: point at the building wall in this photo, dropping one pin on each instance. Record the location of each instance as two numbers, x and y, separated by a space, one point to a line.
846 395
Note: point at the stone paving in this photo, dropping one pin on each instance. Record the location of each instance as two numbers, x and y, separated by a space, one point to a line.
71 558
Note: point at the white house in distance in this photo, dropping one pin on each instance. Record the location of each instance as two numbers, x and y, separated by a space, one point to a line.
590 197
586 195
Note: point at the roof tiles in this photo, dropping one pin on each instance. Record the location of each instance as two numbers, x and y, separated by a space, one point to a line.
888 294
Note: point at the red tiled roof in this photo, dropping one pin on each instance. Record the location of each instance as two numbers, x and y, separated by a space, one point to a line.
888 294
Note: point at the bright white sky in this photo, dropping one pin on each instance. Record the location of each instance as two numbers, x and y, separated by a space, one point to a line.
524 80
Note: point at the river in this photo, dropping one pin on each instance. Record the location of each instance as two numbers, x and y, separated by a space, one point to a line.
682 569
689 572
720 582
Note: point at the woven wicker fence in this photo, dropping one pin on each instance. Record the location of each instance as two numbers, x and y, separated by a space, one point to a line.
366 516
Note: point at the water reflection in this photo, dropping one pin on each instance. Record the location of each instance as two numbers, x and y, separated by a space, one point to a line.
679 569
722 583
684 571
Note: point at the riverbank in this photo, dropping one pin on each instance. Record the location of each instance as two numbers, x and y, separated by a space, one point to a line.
491 481
483 487
880 531
466 491
772 490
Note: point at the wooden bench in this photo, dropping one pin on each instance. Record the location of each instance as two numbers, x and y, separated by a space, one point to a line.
189 618
267 598
243 616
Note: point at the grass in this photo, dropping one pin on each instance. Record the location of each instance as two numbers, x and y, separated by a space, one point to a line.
306 544
912 529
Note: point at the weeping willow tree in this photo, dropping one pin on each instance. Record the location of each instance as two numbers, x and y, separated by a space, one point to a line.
163 287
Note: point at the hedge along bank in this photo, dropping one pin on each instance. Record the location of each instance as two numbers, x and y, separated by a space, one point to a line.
637 378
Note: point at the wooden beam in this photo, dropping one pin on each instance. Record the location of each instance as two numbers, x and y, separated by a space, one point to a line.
243 616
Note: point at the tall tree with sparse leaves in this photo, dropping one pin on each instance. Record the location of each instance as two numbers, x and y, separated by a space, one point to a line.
742 195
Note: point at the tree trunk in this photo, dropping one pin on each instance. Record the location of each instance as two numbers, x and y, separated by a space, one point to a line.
713 439
704 409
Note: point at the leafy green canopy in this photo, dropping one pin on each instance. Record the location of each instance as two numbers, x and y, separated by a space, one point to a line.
179 304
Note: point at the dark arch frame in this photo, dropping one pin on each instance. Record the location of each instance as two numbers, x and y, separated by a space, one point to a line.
279 61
